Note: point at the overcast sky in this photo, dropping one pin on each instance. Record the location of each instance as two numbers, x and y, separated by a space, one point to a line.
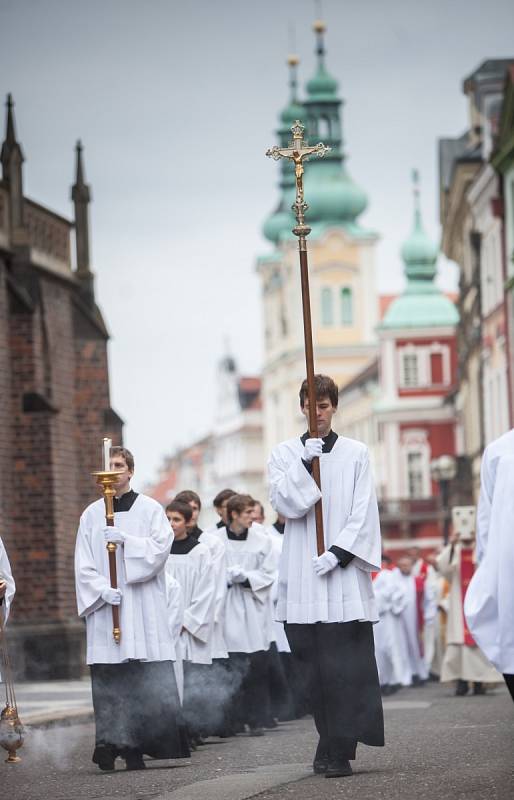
176 103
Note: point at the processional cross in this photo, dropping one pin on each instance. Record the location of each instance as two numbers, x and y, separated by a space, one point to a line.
298 151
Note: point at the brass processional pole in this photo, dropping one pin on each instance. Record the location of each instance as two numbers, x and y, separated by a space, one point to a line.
11 729
108 479
297 152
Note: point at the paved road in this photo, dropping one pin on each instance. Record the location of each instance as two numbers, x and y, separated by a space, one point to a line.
438 747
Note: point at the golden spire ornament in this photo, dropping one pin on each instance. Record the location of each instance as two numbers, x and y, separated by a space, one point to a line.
298 151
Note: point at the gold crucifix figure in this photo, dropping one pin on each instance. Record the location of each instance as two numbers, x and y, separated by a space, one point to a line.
297 151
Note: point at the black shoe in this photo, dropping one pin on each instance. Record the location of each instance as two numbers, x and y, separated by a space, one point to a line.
462 688
135 761
321 759
338 769
320 766
479 688
105 757
256 732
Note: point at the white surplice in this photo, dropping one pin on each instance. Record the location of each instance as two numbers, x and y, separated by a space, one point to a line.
6 575
247 618
461 661
140 562
489 604
412 661
197 580
350 516
431 629
279 634
175 603
391 601
219 569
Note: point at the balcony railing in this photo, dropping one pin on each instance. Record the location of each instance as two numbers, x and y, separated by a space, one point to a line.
410 509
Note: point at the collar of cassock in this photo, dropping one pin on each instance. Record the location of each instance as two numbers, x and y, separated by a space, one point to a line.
237 537
196 532
328 441
126 501
182 547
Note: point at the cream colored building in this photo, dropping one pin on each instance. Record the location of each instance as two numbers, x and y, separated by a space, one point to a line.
471 237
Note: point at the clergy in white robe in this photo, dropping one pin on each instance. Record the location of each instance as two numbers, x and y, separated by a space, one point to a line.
7 585
175 606
135 698
419 609
250 573
218 565
463 661
391 600
427 571
489 604
189 564
281 703
327 602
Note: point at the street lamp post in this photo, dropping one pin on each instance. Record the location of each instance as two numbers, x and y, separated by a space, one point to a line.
443 471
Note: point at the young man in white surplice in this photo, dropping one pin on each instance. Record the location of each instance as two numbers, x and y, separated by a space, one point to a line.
189 563
7 585
248 630
489 603
419 610
327 602
135 698
391 602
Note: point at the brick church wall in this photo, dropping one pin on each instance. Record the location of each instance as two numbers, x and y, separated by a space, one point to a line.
57 377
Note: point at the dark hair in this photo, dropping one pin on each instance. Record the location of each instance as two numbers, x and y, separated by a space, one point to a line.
188 496
258 503
125 454
386 558
184 509
238 503
324 387
222 496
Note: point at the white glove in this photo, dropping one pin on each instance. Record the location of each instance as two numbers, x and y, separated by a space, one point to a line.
237 574
114 534
312 448
325 563
111 596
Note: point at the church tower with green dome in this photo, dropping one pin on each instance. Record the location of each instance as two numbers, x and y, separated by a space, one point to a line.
417 374
422 304
344 298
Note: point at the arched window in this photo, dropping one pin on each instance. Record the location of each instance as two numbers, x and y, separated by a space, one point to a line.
346 306
327 310
323 128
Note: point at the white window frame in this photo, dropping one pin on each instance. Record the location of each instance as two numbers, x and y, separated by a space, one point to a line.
327 291
415 441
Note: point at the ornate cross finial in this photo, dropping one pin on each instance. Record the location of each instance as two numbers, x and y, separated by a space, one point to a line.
297 152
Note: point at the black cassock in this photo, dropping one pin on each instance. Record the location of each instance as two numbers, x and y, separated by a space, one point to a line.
137 710
339 662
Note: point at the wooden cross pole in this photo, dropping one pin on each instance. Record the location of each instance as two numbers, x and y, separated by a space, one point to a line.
297 152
